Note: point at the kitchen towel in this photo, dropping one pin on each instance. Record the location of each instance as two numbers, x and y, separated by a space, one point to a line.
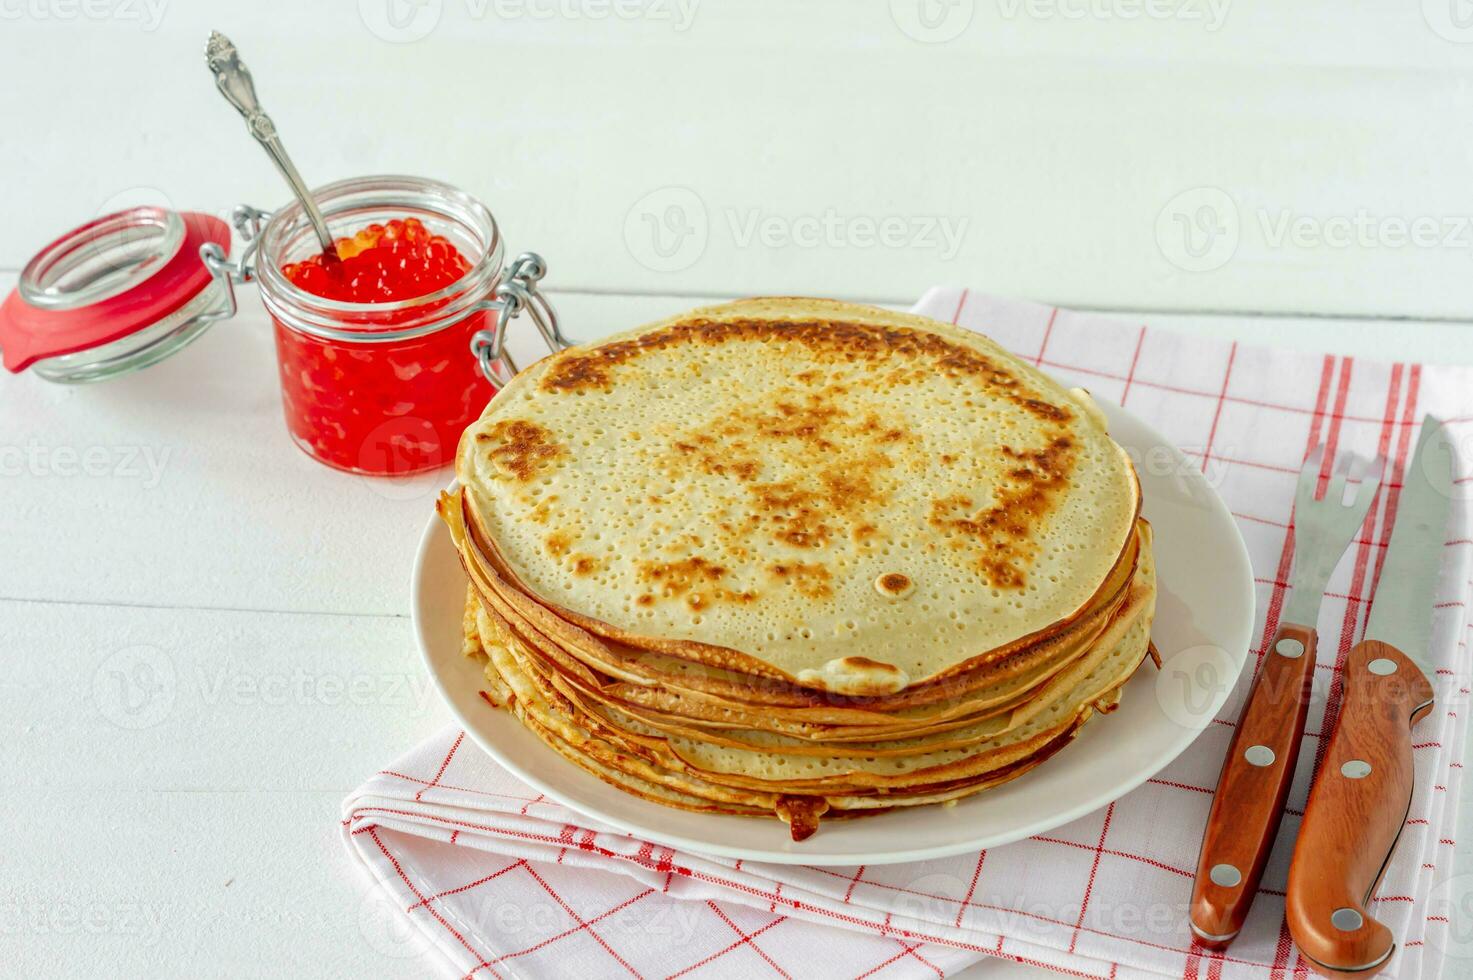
505 882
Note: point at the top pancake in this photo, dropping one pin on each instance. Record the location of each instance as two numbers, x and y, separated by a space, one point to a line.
854 499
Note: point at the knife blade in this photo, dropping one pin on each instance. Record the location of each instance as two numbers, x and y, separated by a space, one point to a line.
1361 797
1401 611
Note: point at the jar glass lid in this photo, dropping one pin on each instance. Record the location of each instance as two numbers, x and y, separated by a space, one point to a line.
114 286
102 259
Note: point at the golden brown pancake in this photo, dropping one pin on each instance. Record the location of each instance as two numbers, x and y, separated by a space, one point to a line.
800 559
834 496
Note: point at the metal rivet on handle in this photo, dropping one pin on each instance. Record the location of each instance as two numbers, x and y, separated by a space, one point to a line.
1381 666
1259 755
1289 647
1225 875
1346 920
1356 769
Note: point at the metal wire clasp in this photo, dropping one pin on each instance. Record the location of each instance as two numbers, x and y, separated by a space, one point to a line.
247 221
516 294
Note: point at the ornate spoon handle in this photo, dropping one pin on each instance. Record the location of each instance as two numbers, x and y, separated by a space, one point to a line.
233 80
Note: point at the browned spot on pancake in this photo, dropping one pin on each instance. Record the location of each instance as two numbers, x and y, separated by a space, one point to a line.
804 514
879 432
1044 410
839 340
804 532
866 664
542 512
524 447
816 421
893 583
728 461
1005 530
686 571
811 580
835 467
583 565
693 578
557 543
794 510
781 496
845 488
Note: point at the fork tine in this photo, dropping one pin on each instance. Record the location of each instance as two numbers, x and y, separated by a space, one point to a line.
1367 474
1335 489
1309 474
1377 471
1366 492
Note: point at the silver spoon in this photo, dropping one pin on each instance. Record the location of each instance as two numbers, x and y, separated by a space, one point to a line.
233 80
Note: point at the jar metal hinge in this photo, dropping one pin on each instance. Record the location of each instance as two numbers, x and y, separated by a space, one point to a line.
247 222
517 293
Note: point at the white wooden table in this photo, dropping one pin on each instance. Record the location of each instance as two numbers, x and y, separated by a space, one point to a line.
207 647
205 633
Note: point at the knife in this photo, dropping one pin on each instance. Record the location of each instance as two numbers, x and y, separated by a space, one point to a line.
1361 798
1259 766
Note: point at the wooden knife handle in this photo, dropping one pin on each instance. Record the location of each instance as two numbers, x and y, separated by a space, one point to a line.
1252 787
1355 813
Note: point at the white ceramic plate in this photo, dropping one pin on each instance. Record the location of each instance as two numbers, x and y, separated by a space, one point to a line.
1204 615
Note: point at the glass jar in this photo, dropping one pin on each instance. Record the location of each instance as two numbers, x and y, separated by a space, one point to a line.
381 388
374 388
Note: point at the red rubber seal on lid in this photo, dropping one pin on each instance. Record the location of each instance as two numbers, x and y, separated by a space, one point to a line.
30 333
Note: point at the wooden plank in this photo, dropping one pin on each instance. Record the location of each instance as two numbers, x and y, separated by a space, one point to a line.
1042 152
179 487
174 779
137 883
258 739
115 698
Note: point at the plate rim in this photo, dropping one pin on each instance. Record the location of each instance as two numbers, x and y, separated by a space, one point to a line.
473 727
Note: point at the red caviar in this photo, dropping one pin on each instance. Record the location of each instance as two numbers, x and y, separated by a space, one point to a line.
382 264
391 407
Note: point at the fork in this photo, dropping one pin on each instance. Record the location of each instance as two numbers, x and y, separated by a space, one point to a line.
1259 767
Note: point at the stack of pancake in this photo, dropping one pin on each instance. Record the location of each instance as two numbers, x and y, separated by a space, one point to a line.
800 558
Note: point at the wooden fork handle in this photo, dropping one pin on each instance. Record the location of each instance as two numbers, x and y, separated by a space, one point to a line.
1355 813
1252 788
